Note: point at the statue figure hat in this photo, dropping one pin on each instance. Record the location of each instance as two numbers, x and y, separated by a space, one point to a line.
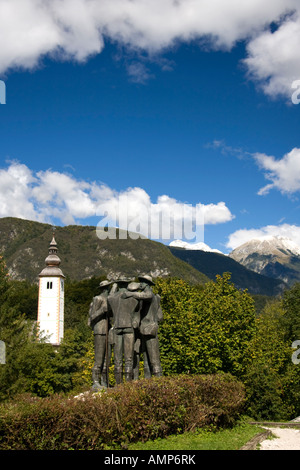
146 278
133 286
105 283
123 280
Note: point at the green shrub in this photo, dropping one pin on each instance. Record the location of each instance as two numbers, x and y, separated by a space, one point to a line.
205 331
131 412
271 379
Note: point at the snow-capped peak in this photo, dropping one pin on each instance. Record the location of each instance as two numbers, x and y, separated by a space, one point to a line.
269 244
193 246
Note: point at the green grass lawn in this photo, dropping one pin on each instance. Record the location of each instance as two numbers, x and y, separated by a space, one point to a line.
202 439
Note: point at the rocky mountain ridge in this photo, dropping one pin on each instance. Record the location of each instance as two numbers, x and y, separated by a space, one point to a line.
212 263
275 257
24 245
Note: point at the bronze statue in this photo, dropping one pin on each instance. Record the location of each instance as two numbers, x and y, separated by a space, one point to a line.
100 322
126 316
147 335
125 319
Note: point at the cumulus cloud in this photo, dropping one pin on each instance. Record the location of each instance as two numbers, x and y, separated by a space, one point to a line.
15 193
242 236
284 174
48 196
166 219
78 29
274 58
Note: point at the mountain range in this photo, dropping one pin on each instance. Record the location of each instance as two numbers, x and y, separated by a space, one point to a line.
275 257
24 245
212 263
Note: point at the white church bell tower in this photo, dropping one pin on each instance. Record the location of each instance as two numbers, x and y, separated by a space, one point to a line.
51 298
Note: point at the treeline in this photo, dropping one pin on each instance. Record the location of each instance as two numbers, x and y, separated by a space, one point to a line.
207 329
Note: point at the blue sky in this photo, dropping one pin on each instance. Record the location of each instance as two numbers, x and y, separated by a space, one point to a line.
179 117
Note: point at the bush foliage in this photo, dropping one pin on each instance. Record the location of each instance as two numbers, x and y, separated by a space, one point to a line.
205 330
135 411
272 379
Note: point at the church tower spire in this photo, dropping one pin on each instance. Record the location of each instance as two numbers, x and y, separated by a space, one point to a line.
51 297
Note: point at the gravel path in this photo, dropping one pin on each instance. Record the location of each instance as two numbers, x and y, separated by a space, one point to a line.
286 439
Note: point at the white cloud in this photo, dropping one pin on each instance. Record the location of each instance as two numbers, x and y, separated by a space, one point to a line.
242 236
77 29
165 219
216 213
193 246
274 58
67 197
284 174
138 72
48 195
157 24
15 192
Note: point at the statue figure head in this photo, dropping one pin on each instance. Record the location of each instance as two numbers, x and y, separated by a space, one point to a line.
123 282
104 285
133 286
146 279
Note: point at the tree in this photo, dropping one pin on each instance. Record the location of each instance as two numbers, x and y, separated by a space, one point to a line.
272 379
178 334
31 365
15 331
232 316
24 296
270 356
205 331
4 277
291 320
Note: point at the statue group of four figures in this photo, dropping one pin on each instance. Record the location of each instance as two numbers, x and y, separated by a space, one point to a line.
125 316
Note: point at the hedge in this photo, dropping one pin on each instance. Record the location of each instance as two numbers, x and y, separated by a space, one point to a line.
130 412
